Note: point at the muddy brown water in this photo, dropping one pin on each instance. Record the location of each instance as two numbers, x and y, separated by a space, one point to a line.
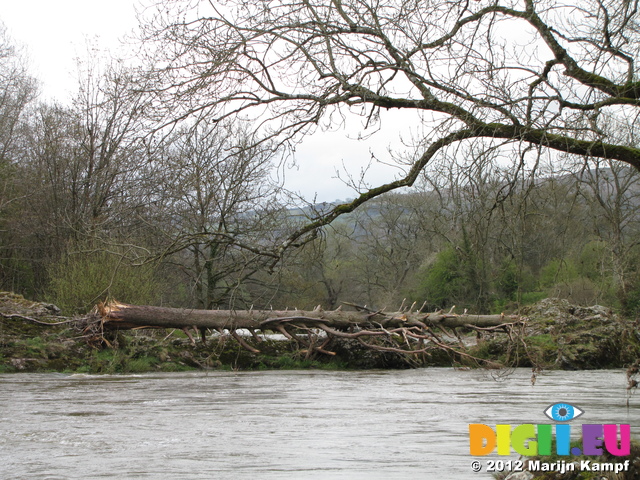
279 424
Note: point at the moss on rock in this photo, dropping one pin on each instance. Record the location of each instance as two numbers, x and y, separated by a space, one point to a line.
559 335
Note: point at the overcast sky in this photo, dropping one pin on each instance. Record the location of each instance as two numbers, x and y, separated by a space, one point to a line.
55 33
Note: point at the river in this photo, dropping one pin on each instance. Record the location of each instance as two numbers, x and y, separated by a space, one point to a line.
279 424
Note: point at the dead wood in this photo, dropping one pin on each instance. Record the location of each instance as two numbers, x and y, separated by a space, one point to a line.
15 316
405 332
123 316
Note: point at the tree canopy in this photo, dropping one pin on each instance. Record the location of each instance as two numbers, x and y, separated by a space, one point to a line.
552 75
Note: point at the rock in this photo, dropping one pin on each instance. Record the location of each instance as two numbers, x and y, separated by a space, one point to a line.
26 364
14 303
551 307
51 308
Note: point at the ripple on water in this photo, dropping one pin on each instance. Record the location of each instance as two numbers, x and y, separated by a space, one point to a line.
276 425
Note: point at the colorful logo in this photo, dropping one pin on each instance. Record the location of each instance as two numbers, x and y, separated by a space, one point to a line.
562 412
531 440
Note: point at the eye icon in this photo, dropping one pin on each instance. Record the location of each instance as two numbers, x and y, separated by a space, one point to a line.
562 412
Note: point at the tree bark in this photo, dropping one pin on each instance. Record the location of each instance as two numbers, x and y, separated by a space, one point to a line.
405 332
120 315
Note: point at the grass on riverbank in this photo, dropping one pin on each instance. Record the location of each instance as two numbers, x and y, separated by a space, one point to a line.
557 336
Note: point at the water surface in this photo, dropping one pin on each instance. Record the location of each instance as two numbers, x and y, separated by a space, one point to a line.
280 424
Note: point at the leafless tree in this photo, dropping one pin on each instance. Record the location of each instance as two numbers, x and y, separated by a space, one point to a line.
330 268
78 168
391 244
220 207
17 91
521 72
612 192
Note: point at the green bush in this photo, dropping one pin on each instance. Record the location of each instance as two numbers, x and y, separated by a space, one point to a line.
580 291
592 262
529 298
80 280
507 280
442 282
558 271
630 300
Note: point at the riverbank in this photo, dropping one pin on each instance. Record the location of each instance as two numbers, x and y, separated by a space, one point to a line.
557 335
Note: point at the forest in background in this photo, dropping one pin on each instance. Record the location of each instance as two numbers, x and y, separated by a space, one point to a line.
93 206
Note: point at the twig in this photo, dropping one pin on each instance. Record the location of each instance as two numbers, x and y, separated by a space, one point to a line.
14 316
244 344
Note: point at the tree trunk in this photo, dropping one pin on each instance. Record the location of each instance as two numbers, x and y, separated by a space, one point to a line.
402 332
119 315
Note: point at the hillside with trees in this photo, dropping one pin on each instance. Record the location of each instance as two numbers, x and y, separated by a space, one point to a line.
160 185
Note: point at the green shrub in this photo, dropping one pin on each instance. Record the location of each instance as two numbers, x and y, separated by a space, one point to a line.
140 364
529 298
558 271
580 291
592 262
508 280
442 282
630 300
80 280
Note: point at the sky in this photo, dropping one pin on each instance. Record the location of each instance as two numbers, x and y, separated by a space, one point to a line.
56 33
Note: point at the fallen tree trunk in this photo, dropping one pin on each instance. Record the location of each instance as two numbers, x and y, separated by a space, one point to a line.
405 332
119 315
